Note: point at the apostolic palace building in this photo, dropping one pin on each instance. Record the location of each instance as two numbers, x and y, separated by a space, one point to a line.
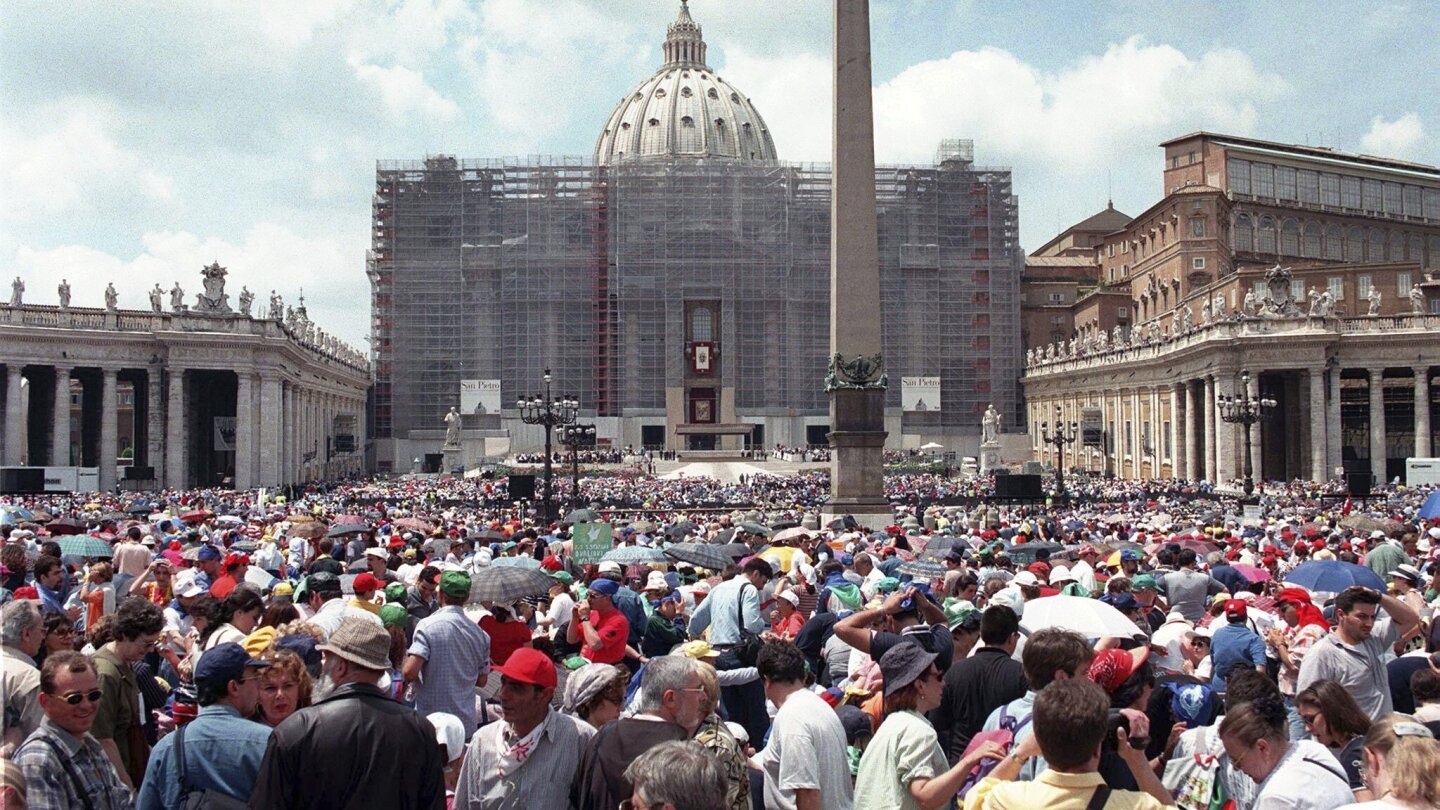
676 282
1311 269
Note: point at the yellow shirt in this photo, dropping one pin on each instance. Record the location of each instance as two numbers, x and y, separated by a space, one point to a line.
1055 791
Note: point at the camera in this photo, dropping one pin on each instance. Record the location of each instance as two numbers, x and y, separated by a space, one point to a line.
1113 723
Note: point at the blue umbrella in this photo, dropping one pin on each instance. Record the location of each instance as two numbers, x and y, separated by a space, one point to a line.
1333 576
1430 510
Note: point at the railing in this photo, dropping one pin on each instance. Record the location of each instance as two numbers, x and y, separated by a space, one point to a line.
130 320
1239 327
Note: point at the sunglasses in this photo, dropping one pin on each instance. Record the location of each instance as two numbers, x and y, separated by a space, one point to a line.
74 698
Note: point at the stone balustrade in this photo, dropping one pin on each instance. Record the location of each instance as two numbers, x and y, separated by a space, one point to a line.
1228 329
128 320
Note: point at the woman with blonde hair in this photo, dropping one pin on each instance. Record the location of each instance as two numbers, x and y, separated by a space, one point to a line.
1402 765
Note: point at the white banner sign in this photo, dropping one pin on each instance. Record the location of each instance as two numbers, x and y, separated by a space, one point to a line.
480 397
920 393
224 434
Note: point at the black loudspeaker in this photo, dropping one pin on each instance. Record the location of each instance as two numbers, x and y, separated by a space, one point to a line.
1018 486
522 487
22 480
1357 484
139 473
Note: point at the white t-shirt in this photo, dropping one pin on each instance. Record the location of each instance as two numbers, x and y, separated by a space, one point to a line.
806 750
559 615
1308 777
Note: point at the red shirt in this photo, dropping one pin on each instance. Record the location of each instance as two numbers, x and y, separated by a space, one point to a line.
614 631
505 638
222 586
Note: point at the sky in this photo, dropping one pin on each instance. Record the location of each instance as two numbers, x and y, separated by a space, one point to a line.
142 140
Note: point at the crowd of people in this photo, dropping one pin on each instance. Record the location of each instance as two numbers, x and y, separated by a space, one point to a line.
416 644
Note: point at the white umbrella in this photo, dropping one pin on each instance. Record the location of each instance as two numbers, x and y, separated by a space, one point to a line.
1089 617
932 446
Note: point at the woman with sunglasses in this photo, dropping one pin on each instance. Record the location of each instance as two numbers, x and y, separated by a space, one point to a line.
1336 721
1402 765
904 765
59 635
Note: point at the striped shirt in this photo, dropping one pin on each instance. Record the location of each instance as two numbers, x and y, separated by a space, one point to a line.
49 785
456 653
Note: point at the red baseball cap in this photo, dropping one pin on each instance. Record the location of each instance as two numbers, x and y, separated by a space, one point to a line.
1110 668
366 583
529 665
1236 608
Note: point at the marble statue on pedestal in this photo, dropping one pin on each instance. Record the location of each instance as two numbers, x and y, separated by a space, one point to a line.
17 292
1220 306
1417 299
64 291
1374 298
247 298
277 307
1185 321
452 428
1207 315
157 295
112 298
177 298
990 425
1251 304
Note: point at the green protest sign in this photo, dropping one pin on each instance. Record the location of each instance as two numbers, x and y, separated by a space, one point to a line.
592 541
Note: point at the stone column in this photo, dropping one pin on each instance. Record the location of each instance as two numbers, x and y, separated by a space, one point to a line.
857 392
175 445
60 434
1335 445
1422 411
1194 419
271 431
155 416
1256 467
14 414
1212 456
1377 425
1137 458
245 426
1177 431
109 430
1318 437
1225 433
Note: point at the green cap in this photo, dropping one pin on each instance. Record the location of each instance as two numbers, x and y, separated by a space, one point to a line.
563 576
958 611
395 592
1143 582
455 584
394 615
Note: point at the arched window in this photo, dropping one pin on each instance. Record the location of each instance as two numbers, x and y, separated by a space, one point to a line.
701 324
1265 237
1334 243
1355 244
1432 261
1310 241
1290 238
1375 246
1243 234
1397 246
1417 248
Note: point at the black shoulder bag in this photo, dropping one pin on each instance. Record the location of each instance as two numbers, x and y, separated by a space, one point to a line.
747 649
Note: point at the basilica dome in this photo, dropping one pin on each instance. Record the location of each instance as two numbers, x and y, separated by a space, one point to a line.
684 110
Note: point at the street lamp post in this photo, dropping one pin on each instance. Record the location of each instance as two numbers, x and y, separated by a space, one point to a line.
1060 437
576 437
550 413
1245 410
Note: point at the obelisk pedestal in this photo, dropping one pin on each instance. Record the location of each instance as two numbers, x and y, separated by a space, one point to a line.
856 380
453 456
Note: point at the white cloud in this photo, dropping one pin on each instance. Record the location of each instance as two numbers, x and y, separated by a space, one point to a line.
330 270
1400 138
404 91
70 161
1102 109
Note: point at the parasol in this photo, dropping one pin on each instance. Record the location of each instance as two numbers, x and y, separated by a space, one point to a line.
1088 617
507 584
705 555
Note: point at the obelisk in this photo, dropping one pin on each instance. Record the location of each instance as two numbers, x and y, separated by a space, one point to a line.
856 379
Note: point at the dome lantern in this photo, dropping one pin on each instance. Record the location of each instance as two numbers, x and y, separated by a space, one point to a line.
684 42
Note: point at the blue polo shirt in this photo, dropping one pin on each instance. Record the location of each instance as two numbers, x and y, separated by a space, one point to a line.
1234 644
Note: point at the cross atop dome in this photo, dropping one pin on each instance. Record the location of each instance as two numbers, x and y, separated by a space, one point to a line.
684 42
